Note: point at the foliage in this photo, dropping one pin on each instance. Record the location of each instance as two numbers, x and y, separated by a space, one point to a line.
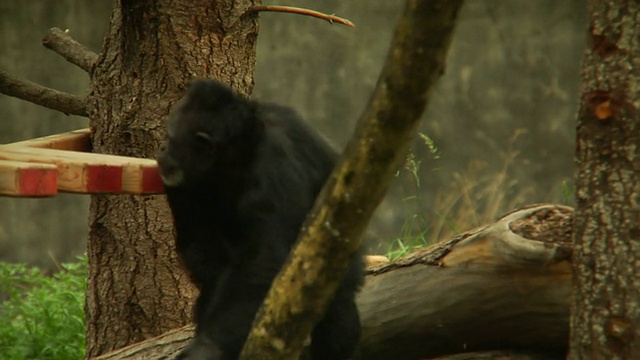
42 317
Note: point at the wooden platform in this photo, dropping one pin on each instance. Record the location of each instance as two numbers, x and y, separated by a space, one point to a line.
64 162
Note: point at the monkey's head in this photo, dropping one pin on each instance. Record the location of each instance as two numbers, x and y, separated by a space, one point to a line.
209 126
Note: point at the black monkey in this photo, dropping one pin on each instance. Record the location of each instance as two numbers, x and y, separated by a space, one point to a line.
240 178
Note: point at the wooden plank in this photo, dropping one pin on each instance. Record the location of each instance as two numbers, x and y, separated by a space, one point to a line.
81 172
28 179
143 180
77 140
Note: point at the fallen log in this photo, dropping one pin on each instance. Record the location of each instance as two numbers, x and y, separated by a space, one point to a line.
503 286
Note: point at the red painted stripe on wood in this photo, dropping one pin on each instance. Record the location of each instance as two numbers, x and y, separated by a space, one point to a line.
104 179
38 182
151 181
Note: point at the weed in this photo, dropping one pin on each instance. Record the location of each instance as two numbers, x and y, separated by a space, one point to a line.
42 316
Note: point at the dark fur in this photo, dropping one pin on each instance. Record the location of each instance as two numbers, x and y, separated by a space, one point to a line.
240 178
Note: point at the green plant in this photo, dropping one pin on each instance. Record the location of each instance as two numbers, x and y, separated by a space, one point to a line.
403 246
568 193
42 317
430 144
415 228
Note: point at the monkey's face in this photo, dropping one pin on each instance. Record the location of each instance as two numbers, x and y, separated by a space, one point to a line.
190 153
206 129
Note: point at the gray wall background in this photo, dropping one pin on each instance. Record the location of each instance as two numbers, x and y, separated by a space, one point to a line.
502 116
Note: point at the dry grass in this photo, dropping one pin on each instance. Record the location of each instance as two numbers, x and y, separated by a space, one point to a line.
475 197
478 197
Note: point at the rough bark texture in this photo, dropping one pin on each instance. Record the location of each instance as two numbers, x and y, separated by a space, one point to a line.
331 237
504 286
606 309
136 287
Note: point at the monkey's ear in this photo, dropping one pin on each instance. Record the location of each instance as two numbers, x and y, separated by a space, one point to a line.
205 143
204 137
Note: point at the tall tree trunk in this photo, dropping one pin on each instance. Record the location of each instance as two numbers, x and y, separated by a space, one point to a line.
136 287
606 307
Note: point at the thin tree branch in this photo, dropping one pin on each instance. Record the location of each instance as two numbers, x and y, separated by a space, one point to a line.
300 11
331 237
43 96
74 52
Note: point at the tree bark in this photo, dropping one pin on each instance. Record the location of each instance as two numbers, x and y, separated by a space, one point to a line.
606 307
136 287
504 286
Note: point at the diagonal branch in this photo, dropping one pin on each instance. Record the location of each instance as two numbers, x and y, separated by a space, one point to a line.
74 52
300 11
331 236
43 96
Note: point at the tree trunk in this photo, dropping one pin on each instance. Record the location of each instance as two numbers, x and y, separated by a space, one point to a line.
606 306
136 287
504 286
